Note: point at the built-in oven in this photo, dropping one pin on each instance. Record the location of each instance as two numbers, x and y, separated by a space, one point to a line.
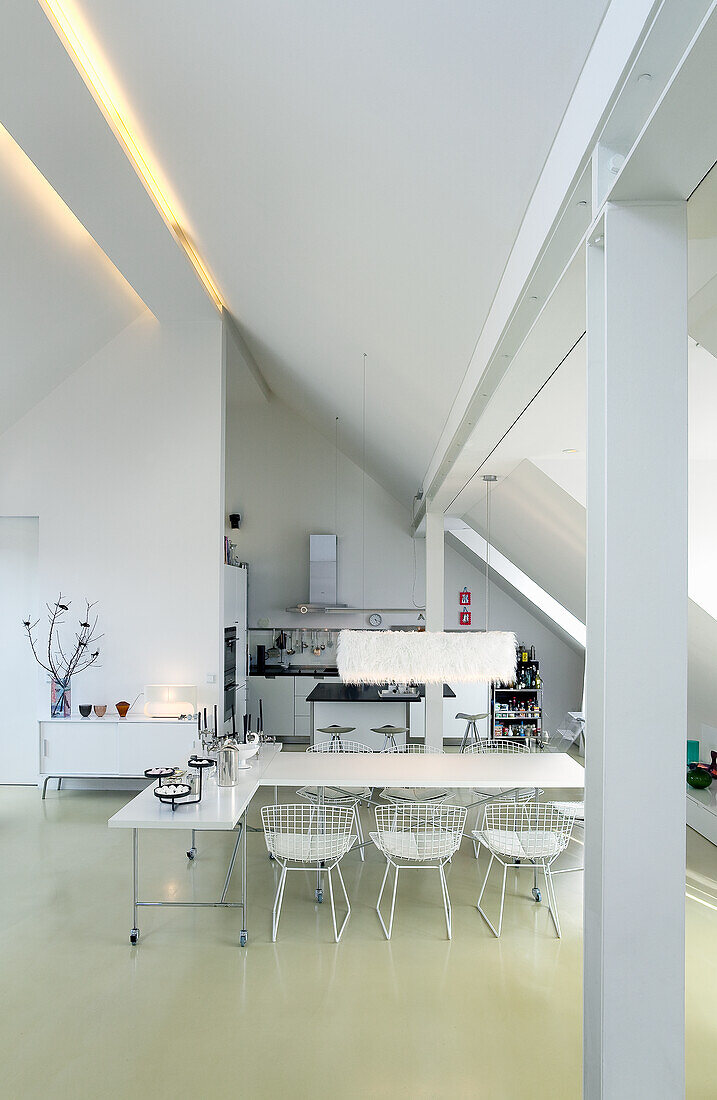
230 671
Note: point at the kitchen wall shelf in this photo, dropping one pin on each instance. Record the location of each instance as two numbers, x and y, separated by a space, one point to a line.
516 710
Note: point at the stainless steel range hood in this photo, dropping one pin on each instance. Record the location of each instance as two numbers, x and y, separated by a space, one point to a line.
322 576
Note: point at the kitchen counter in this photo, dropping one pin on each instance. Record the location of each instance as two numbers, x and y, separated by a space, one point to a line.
368 693
318 671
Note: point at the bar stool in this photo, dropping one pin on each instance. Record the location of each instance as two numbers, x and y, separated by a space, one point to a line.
389 736
335 733
471 735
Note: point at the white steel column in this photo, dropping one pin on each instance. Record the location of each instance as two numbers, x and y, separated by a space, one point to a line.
636 654
435 596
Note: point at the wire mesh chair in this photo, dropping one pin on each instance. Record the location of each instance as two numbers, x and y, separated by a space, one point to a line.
417 836
499 794
340 796
299 835
577 809
400 795
524 835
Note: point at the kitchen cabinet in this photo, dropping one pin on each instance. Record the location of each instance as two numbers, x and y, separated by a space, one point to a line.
287 711
277 696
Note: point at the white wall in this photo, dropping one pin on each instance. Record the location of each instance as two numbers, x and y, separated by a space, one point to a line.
281 477
18 670
122 464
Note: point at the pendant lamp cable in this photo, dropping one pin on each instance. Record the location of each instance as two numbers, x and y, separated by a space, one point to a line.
489 480
336 477
487 559
363 490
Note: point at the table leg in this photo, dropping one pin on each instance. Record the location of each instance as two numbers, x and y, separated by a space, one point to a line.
243 935
231 863
134 931
193 848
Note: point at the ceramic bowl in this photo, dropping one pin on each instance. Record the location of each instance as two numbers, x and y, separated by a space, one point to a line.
100 709
246 752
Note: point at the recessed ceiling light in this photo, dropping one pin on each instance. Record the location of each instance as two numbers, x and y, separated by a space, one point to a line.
644 78
89 68
570 450
582 202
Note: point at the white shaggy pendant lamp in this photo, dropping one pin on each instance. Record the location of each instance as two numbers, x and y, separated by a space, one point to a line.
430 657
426 657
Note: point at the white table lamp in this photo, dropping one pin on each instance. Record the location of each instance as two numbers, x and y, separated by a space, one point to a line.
170 700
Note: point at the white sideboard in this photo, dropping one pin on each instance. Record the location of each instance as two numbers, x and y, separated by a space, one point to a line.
109 747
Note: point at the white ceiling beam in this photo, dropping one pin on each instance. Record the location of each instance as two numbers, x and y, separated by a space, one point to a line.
609 102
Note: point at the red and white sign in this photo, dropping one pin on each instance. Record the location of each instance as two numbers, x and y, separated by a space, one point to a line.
464 597
465 619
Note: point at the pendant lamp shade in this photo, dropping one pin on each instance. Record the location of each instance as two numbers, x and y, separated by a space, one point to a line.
426 657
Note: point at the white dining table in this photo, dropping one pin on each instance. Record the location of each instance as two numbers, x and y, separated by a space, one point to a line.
491 771
222 809
225 808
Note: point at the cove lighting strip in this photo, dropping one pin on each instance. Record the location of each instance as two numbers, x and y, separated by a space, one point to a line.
88 70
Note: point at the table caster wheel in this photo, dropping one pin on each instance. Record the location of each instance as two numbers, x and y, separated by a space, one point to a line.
191 853
320 896
271 855
536 894
243 937
134 935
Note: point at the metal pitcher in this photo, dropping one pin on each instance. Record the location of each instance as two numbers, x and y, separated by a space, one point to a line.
228 764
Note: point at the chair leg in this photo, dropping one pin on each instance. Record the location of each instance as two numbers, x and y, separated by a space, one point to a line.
383 883
333 907
276 913
387 931
496 932
348 903
552 899
359 831
446 899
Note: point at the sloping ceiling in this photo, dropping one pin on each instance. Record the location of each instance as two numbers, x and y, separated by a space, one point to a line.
541 529
354 175
61 298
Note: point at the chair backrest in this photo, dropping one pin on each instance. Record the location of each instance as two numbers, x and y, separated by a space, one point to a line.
429 830
339 746
498 745
414 748
531 821
301 821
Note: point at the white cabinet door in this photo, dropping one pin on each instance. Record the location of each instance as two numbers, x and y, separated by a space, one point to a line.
144 745
241 613
230 594
277 695
85 747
